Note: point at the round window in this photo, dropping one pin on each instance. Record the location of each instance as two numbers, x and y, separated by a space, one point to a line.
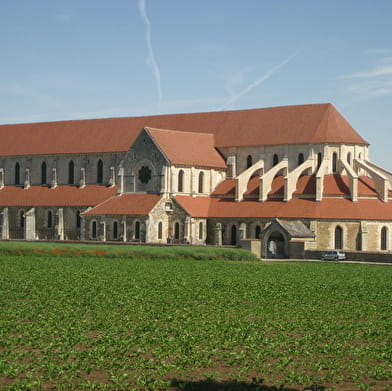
144 174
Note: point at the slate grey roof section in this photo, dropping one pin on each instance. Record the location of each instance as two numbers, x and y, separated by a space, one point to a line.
296 229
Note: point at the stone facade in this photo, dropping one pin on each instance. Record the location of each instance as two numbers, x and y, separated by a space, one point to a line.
183 214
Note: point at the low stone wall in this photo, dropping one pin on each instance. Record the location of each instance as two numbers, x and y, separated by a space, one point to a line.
360 256
252 245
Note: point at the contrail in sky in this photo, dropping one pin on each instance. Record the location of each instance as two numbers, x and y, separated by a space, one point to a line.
258 81
151 58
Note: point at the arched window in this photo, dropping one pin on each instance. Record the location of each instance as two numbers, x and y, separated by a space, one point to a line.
233 235
201 181
257 231
338 238
180 181
44 180
137 230
334 162
360 156
49 219
100 172
160 230
301 158
115 230
22 219
17 173
384 238
200 231
177 231
349 157
93 229
71 173
275 160
249 161
78 219
319 159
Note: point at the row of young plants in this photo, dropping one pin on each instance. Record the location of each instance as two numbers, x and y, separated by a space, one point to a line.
132 323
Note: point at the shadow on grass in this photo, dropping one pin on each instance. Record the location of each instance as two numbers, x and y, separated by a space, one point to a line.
212 385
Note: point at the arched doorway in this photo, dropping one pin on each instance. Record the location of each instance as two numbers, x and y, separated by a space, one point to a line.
100 172
233 235
115 230
338 238
177 231
137 230
276 246
257 231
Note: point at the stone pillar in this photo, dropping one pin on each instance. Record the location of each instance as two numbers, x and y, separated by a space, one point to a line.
188 230
319 188
82 180
193 188
103 230
364 236
2 180
30 232
150 227
165 180
112 180
27 179
53 182
242 231
5 232
218 234
82 228
121 181
231 163
174 182
124 230
60 224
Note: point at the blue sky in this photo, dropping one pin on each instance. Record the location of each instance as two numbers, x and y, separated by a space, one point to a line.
72 59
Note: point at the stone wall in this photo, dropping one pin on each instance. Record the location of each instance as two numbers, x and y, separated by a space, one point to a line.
89 162
364 256
357 235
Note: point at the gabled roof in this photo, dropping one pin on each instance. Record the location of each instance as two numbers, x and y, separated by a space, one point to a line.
59 196
318 123
187 148
295 228
126 204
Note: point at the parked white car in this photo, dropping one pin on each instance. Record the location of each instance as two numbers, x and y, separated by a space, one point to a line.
333 255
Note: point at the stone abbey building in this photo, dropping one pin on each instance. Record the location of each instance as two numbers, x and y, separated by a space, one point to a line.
280 181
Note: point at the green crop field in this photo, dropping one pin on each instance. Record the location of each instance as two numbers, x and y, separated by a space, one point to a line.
72 319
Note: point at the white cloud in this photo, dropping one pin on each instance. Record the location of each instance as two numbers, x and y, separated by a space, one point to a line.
31 93
377 71
373 82
372 88
257 82
383 67
151 58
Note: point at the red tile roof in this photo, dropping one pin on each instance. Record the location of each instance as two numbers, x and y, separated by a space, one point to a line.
188 148
126 204
334 185
318 123
59 196
328 208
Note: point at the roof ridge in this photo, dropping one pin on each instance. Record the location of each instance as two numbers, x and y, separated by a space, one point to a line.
162 115
102 202
178 131
323 118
